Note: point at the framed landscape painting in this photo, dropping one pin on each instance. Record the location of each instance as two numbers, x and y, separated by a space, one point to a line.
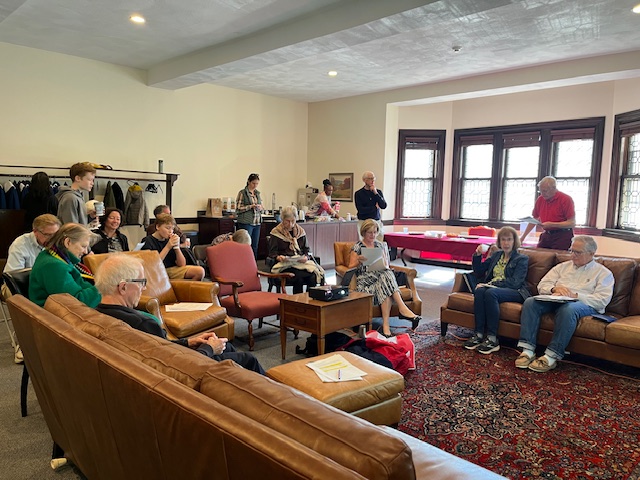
342 186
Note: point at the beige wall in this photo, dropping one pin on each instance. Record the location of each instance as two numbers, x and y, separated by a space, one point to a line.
355 124
58 110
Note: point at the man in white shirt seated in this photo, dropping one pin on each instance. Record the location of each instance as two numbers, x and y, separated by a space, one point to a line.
24 250
582 278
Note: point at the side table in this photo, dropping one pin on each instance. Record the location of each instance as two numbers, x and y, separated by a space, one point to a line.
303 313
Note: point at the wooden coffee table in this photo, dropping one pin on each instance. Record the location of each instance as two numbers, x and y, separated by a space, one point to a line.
303 313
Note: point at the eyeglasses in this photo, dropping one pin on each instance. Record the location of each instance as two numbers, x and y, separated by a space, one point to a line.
143 281
46 235
577 252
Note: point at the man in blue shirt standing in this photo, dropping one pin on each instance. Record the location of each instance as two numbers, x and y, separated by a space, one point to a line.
369 201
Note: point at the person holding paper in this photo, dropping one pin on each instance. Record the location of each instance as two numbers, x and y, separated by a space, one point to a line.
556 213
381 283
121 280
288 247
167 244
504 274
582 279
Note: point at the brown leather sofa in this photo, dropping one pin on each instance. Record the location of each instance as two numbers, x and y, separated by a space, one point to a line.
127 405
618 341
162 291
342 250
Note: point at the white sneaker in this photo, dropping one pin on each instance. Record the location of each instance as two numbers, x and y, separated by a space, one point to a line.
18 357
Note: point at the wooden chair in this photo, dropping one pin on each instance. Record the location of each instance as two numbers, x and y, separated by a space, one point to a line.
18 284
162 291
342 251
234 267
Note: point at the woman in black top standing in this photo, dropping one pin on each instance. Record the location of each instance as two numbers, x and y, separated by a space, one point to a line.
38 200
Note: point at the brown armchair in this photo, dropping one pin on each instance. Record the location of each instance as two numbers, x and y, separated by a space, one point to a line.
342 251
161 291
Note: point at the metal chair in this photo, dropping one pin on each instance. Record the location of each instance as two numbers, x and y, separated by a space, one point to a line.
18 284
5 313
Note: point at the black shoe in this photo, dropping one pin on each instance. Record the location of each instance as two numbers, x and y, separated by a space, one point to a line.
381 332
415 321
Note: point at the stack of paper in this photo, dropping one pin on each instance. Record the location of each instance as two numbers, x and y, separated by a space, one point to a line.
336 369
555 298
188 307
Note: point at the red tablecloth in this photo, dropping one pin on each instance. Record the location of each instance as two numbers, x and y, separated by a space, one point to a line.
458 248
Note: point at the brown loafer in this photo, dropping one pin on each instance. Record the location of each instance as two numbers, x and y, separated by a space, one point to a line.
524 360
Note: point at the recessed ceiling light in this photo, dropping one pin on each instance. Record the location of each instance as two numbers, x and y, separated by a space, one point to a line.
636 9
137 18
332 73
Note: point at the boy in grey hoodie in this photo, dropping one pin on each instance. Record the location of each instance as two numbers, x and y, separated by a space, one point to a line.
71 203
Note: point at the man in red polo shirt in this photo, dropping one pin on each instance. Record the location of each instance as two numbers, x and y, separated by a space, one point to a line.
557 215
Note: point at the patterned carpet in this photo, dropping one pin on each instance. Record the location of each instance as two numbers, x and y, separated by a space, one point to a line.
575 422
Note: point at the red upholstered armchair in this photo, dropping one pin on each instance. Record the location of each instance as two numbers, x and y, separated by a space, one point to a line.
234 267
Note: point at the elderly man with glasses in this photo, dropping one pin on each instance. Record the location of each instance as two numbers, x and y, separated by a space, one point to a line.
369 201
120 279
556 213
24 250
581 287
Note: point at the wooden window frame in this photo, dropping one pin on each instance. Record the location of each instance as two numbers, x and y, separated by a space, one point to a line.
498 134
624 124
439 138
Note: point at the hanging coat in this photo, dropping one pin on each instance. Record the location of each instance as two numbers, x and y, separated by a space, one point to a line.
135 209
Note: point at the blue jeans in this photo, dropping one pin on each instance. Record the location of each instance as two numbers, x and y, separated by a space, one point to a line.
486 307
567 315
254 233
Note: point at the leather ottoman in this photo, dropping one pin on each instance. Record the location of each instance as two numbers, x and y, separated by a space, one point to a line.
375 398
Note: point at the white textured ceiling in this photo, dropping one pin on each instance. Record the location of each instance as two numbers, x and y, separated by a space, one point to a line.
286 47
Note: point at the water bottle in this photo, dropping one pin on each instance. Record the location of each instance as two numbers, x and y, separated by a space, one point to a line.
362 331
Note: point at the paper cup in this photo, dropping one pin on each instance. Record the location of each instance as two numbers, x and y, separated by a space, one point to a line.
484 248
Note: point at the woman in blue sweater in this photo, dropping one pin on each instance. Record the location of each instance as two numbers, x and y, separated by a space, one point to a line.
503 274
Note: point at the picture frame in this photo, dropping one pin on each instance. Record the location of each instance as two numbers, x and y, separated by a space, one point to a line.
342 187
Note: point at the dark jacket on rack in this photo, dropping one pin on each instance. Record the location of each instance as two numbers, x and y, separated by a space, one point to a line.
135 209
11 196
109 197
118 194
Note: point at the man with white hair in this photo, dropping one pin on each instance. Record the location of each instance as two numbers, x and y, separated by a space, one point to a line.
582 286
556 213
369 201
120 279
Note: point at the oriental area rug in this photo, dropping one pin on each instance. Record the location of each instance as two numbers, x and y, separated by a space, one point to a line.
575 422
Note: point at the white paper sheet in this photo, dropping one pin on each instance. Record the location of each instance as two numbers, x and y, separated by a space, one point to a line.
188 307
336 369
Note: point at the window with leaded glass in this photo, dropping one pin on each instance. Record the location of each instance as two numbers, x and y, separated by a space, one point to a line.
625 180
496 170
420 158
